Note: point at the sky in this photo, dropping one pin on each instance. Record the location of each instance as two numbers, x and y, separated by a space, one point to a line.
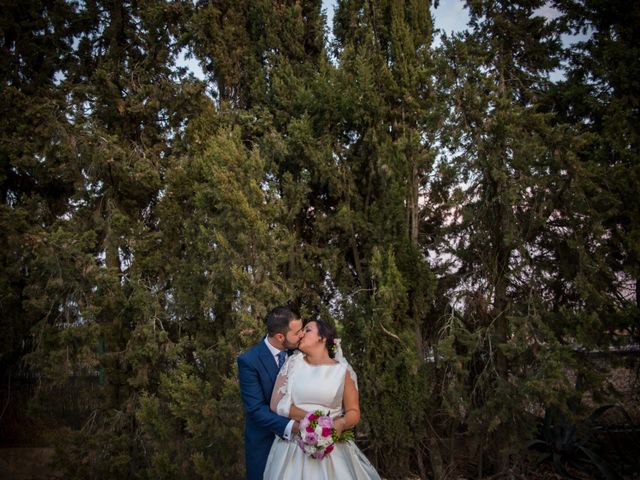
450 16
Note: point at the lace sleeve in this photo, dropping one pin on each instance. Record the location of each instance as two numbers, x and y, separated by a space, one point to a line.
340 358
281 396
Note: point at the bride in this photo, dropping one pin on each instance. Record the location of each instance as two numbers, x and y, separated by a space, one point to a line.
313 379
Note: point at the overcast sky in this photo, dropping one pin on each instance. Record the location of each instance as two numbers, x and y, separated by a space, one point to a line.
449 16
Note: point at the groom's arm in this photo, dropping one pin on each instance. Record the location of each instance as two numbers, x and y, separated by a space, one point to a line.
255 407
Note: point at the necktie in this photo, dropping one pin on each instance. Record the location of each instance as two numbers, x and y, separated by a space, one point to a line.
281 356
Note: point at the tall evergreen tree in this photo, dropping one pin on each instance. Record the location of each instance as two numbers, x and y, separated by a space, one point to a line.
512 197
385 143
238 44
122 111
229 222
35 149
600 97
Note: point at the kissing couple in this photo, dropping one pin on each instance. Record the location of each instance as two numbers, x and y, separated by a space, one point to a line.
287 395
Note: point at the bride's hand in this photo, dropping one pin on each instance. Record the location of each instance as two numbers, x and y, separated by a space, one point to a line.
339 425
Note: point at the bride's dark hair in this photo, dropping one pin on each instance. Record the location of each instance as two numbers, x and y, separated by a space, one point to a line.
327 332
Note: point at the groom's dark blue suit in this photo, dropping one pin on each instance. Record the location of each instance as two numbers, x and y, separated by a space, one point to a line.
257 370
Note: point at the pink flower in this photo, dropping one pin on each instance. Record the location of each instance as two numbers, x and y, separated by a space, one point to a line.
325 421
315 436
311 438
304 423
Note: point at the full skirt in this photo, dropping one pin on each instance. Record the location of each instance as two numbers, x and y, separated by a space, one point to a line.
287 461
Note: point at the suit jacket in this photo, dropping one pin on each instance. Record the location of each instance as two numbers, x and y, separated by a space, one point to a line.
257 370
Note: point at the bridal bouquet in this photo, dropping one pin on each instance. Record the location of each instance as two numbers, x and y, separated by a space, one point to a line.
317 434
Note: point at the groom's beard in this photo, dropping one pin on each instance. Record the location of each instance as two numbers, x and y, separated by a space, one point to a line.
291 346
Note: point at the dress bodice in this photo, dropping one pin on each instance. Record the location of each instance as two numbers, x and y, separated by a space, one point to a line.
318 387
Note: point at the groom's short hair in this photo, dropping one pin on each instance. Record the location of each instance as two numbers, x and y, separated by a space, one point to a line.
278 320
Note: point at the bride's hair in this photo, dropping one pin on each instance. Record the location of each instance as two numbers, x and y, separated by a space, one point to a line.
327 332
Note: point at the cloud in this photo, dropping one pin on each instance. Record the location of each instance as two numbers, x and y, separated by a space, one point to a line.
450 16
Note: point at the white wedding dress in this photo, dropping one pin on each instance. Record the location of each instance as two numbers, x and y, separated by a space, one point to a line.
314 387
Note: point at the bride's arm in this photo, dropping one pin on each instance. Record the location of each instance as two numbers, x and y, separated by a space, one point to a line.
351 405
280 392
295 413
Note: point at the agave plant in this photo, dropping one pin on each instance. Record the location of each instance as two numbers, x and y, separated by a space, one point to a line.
565 443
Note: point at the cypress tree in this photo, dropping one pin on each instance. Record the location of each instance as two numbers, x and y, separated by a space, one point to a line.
383 153
35 147
230 222
514 166
122 111
599 97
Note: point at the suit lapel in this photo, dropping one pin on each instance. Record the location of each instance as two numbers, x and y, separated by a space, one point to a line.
268 362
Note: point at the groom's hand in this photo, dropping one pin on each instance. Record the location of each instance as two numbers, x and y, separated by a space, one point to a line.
296 427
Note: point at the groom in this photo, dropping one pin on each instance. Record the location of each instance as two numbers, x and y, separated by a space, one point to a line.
257 369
